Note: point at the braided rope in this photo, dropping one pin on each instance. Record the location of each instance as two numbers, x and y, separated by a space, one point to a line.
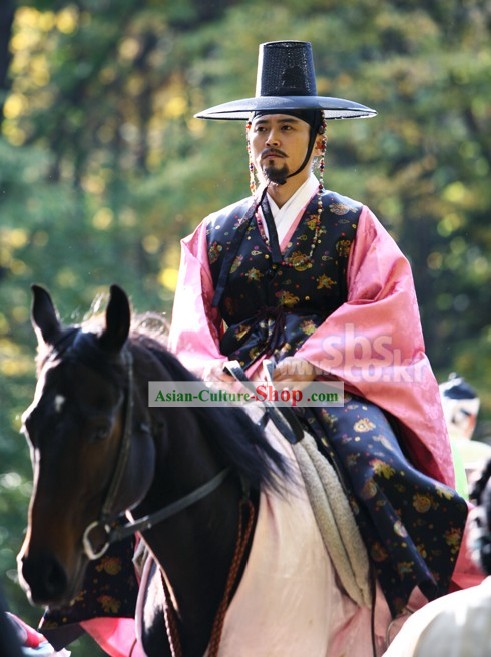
245 505
170 618
170 614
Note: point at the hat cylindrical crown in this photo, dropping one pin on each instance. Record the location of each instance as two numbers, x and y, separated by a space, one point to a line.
286 68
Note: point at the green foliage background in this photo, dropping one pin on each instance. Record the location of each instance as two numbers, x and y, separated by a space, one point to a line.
103 168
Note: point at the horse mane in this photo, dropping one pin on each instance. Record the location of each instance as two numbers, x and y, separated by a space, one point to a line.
235 435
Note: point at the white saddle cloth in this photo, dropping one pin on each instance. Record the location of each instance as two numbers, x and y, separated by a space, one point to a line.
290 602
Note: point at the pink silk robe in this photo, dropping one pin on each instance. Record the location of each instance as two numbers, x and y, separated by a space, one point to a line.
373 342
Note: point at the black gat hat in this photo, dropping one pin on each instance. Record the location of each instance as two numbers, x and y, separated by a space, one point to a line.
286 82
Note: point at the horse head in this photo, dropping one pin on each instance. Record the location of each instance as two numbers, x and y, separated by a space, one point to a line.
77 428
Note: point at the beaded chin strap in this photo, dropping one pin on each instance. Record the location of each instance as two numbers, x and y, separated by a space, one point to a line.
322 163
252 168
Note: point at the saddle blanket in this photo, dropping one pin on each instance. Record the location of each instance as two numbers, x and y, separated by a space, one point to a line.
290 600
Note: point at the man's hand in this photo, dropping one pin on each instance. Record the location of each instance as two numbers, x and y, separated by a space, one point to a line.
297 371
216 377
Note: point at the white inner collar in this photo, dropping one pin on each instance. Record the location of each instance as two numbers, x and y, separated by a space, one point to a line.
286 215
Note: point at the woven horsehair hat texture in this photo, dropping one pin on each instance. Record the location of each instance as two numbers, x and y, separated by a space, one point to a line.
286 81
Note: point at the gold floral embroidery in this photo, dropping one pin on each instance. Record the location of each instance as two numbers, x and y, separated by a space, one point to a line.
108 603
340 208
343 247
308 327
286 298
405 568
443 491
363 425
236 263
422 503
214 252
253 274
325 281
369 490
453 537
300 261
382 468
110 565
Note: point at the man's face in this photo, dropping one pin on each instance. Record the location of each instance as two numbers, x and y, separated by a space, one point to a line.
279 144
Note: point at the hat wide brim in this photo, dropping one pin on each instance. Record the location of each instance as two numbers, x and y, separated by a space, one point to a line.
333 108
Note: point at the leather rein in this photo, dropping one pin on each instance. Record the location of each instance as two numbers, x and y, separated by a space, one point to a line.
113 534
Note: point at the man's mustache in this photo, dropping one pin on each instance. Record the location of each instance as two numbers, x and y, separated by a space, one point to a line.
272 151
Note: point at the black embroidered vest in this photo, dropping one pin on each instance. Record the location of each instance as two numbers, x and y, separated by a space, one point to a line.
271 307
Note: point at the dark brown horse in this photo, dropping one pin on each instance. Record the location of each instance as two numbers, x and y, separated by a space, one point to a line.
192 482
98 450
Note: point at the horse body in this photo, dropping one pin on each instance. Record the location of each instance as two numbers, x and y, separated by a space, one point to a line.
76 428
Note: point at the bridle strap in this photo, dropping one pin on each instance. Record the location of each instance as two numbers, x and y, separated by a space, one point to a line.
125 443
118 533
113 534
148 521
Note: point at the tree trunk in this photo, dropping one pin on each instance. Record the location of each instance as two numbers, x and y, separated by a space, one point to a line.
6 21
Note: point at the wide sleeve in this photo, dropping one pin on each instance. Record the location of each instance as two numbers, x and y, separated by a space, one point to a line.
195 326
374 344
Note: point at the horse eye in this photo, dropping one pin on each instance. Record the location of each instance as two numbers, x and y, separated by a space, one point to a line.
101 432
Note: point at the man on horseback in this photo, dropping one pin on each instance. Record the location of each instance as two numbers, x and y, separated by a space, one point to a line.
311 280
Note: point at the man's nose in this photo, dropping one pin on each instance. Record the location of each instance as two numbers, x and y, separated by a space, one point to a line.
273 138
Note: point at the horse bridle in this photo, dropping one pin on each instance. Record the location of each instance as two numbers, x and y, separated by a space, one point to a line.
117 533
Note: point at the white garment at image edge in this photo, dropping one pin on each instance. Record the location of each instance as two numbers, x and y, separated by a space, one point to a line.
456 625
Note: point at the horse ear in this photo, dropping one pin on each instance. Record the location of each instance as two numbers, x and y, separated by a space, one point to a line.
44 316
118 317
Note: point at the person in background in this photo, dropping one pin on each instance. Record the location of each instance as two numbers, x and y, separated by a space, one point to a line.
9 642
311 280
460 407
18 639
31 642
458 624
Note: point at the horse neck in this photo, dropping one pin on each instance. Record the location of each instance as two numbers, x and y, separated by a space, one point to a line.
193 548
185 461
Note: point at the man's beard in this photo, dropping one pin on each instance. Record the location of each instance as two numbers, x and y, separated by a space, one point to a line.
276 174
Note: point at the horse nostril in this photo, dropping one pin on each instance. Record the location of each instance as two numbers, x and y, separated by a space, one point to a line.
55 578
46 578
